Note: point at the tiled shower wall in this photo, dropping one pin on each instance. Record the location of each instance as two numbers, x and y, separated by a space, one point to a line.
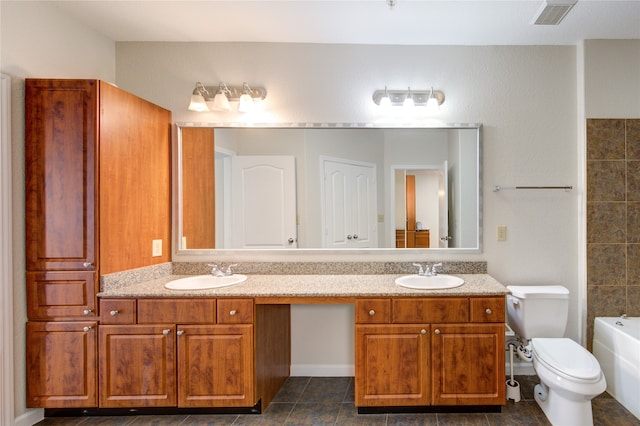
613 219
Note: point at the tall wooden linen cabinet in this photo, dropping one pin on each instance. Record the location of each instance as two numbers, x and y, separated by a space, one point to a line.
98 192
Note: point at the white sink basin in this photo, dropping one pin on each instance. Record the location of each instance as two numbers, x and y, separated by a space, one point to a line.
201 282
435 282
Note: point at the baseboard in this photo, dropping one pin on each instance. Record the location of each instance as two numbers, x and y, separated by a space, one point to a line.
323 370
29 418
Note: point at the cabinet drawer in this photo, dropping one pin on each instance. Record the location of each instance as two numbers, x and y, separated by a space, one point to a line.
428 310
235 311
487 309
117 311
177 311
373 311
61 295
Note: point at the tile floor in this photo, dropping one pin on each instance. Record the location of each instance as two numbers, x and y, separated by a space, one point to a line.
329 401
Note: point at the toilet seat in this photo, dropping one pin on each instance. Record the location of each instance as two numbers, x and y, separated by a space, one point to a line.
567 359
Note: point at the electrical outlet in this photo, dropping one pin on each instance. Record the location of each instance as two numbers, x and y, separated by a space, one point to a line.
156 248
502 233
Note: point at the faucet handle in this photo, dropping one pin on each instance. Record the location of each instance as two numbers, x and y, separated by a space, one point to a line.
214 269
229 271
420 271
433 268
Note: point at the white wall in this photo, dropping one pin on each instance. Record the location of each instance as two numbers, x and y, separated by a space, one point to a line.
38 41
525 96
612 78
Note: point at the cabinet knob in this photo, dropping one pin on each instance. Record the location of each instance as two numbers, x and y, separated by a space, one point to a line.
114 313
437 331
87 312
349 237
423 331
87 264
233 313
180 332
86 329
372 312
166 331
355 236
488 311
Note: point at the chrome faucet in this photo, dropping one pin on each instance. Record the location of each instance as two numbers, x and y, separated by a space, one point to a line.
428 271
217 272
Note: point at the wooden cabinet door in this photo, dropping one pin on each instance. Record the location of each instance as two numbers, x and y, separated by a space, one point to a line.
468 364
137 366
60 173
61 364
392 365
215 366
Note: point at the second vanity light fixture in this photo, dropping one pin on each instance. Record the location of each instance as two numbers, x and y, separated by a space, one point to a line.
432 99
218 99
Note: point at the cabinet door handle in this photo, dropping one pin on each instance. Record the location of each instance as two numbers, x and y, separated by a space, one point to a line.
180 332
355 236
233 313
372 312
423 331
86 329
114 313
87 312
166 331
488 311
437 331
87 264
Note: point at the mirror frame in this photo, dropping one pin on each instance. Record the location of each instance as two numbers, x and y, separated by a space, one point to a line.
316 254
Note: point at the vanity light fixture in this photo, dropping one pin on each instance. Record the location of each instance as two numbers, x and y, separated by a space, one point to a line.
408 100
432 103
385 100
221 100
198 102
201 99
420 98
246 99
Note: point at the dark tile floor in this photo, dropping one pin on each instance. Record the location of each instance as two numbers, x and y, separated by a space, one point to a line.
329 401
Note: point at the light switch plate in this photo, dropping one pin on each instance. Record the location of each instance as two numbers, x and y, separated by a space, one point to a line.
156 249
502 233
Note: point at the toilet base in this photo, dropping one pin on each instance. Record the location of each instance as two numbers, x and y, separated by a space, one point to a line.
563 411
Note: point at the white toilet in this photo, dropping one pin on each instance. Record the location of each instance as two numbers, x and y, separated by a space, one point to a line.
570 376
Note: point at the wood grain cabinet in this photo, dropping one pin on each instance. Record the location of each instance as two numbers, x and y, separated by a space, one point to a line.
197 360
431 351
82 203
61 364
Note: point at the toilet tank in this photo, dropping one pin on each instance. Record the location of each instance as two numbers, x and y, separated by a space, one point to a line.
538 311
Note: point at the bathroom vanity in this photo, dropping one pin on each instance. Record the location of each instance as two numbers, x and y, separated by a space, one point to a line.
230 347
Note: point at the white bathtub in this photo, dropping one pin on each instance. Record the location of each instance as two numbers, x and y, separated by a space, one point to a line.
616 345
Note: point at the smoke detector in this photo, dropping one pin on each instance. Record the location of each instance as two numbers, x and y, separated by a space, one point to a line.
553 11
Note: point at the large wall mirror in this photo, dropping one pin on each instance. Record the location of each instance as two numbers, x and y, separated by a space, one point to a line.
328 187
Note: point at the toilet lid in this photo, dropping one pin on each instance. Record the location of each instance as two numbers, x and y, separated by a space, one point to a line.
566 357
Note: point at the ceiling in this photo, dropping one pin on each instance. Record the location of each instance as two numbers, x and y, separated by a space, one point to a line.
409 22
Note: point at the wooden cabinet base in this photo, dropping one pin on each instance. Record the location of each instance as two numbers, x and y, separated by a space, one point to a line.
159 411
432 409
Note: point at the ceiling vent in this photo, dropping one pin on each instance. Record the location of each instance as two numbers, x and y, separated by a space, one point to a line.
553 11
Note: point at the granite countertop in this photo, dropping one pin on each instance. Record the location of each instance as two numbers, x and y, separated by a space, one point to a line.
288 286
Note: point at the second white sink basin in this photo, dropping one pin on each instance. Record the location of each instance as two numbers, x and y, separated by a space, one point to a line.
435 282
202 282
